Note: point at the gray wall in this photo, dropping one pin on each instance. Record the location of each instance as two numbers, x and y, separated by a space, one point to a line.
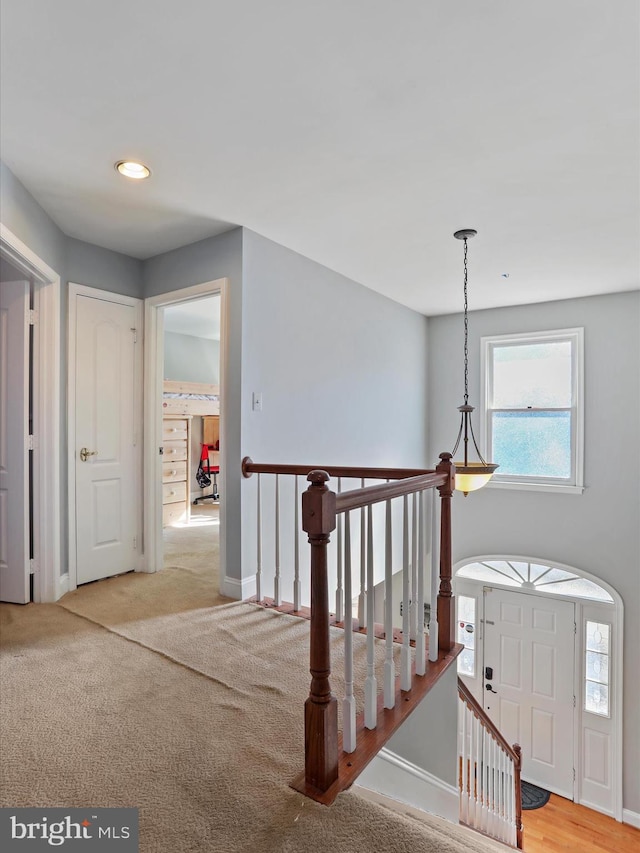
342 371
598 531
104 269
191 359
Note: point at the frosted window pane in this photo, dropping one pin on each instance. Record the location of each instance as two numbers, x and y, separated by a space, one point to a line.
577 586
466 662
597 699
466 608
598 667
544 579
478 571
532 444
466 633
537 375
598 637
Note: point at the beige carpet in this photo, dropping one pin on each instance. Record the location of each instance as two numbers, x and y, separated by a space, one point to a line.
152 691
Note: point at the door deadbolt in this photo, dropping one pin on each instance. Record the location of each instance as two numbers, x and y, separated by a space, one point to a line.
85 454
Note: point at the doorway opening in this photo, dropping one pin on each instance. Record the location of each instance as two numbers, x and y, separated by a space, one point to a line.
191 433
543 656
185 363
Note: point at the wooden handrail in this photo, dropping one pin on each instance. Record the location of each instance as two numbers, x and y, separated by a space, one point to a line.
250 467
514 752
479 711
357 498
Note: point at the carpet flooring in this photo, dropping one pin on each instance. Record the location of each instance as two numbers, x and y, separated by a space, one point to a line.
153 691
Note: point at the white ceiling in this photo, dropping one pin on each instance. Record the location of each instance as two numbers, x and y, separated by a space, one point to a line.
360 133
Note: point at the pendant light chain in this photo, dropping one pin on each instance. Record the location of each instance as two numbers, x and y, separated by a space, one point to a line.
470 475
466 330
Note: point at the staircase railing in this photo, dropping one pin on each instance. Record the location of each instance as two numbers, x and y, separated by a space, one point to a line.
488 774
333 760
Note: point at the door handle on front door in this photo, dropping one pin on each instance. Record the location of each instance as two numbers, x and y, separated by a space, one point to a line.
85 454
490 688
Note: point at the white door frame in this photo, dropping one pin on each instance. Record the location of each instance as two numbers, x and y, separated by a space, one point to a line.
617 651
49 585
94 293
153 377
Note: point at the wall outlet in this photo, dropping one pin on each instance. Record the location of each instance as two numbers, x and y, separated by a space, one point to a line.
256 401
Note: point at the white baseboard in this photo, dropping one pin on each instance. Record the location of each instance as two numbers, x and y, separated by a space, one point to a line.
395 777
238 589
632 818
62 586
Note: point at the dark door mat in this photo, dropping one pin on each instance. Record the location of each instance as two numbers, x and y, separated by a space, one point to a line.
533 797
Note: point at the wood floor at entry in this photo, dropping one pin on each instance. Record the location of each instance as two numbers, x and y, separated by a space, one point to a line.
562 826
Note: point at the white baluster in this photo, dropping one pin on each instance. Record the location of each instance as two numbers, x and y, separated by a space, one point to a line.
259 544
492 788
511 797
389 665
435 578
414 568
472 793
405 658
296 546
420 645
362 597
340 605
485 779
371 684
277 600
503 813
349 704
478 773
462 772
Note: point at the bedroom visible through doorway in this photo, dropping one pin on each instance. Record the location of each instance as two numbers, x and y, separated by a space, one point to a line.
191 491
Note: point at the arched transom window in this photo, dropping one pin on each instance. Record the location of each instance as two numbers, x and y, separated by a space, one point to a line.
541 577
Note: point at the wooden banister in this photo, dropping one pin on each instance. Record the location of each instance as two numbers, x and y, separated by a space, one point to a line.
514 752
250 467
385 491
320 508
321 707
446 601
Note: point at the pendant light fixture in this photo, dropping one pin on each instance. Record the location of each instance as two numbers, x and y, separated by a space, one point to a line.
470 476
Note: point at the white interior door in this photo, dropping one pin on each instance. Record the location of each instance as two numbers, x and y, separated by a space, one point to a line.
105 455
529 656
14 453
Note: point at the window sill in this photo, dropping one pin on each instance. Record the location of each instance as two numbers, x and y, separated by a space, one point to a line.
553 488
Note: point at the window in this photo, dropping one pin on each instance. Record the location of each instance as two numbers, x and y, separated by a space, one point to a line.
532 409
598 652
466 634
537 577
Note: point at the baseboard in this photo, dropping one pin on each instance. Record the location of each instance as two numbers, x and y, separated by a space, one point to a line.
238 589
62 586
395 777
632 818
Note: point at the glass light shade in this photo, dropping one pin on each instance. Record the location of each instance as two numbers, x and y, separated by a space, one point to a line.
472 476
131 169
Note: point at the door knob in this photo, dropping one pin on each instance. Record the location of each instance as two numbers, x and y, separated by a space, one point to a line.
490 688
85 454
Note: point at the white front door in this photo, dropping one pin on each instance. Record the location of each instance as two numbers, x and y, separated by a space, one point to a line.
14 432
528 666
105 455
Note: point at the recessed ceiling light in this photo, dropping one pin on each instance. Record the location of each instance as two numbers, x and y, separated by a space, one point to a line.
131 169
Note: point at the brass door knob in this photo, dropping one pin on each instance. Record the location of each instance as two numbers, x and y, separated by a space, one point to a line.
85 454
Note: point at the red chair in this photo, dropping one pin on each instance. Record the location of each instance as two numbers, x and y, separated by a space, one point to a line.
207 475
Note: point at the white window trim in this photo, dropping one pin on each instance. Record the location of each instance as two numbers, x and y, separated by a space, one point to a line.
538 484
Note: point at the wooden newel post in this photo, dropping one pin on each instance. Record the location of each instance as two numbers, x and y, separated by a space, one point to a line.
321 708
446 601
516 777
